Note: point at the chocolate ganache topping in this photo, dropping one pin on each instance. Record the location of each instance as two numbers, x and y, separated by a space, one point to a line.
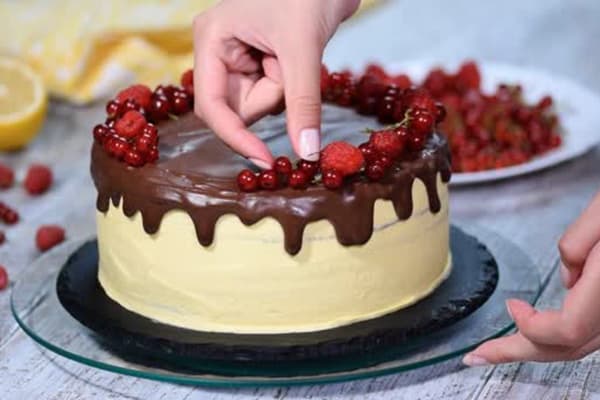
197 173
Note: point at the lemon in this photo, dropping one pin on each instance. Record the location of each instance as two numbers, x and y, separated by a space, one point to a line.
23 104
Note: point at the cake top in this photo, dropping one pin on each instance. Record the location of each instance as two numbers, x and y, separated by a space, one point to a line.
199 174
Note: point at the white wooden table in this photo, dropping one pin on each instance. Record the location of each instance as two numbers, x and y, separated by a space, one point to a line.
532 211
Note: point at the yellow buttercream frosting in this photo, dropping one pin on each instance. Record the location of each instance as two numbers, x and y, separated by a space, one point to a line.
245 282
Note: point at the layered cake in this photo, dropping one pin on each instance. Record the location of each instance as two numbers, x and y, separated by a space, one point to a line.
190 235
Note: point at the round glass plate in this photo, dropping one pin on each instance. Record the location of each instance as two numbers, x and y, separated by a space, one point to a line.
36 307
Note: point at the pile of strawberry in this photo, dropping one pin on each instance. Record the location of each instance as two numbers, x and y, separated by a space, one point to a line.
129 132
411 112
38 180
490 131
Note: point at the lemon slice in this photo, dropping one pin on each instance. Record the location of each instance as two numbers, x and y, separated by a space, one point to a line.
23 103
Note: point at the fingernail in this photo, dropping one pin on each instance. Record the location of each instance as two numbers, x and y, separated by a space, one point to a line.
262 164
565 275
473 360
507 303
309 144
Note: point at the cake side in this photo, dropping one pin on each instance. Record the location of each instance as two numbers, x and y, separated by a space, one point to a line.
245 282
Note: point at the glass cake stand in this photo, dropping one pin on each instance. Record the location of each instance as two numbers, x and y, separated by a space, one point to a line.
37 309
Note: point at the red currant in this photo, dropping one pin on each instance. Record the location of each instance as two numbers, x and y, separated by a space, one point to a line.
100 133
369 152
298 179
268 180
113 108
375 171
134 158
422 122
309 167
332 179
247 181
159 108
282 165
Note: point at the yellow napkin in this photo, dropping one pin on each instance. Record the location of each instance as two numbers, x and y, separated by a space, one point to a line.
88 49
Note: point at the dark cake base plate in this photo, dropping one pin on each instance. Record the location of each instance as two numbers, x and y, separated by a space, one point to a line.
472 281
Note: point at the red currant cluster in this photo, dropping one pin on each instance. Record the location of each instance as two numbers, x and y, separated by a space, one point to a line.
412 112
129 133
8 215
490 131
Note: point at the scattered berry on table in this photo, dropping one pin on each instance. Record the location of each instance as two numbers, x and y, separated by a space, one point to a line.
3 278
7 176
48 236
38 179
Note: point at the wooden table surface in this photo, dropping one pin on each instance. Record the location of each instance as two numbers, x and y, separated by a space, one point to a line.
531 211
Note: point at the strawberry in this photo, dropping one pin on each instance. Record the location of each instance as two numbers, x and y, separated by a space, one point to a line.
341 157
49 236
131 124
7 176
187 81
387 142
141 94
38 179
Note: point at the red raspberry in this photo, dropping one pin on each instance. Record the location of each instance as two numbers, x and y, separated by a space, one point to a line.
7 176
468 76
38 179
48 236
3 278
387 142
341 157
402 81
130 125
141 94
187 81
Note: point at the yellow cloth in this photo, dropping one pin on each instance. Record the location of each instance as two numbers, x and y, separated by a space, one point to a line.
88 49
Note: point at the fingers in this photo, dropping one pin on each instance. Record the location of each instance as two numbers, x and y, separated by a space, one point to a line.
211 105
301 70
580 237
514 348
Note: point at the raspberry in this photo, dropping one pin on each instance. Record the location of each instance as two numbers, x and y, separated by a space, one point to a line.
130 125
48 236
387 142
187 81
341 157
38 179
419 98
141 94
3 278
468 76
7 176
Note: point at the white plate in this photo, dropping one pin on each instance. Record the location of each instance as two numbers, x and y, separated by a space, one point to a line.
578 109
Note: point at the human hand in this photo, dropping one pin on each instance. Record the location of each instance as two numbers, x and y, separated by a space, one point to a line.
249 55
571 332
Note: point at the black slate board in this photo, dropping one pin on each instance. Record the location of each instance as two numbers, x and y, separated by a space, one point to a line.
472 281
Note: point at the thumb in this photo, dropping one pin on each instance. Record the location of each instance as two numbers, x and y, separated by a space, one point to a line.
301 71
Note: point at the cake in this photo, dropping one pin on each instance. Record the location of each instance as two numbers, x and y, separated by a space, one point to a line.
181 243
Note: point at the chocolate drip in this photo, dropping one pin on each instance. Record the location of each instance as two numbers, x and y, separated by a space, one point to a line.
196 174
